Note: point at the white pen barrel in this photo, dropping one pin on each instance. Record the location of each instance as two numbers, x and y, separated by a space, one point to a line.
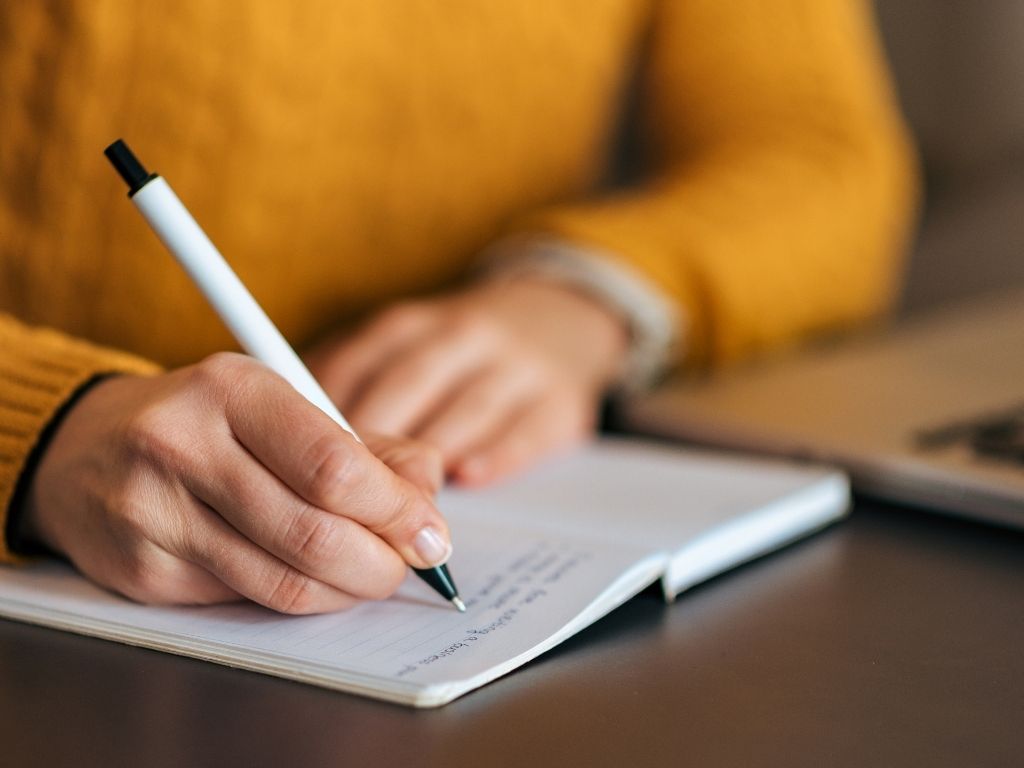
245 318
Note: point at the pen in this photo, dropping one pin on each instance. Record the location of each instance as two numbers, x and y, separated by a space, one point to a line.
246 320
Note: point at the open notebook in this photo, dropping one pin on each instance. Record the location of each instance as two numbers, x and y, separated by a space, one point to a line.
536 560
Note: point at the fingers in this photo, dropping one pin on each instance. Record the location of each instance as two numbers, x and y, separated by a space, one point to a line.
419 463
477 411
344 370
150 574
540 429
409 386
329 548
325 466
468 387
251 571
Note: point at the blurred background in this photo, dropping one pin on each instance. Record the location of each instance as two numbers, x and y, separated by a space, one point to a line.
959 67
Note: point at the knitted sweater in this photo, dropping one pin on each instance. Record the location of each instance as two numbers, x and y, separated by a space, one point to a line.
343 154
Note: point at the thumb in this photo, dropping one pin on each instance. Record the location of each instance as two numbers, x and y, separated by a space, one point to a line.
419 463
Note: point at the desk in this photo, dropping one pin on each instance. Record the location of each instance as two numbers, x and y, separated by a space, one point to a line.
896 638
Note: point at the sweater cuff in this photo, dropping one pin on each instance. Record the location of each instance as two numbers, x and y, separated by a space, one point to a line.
40 370
655 323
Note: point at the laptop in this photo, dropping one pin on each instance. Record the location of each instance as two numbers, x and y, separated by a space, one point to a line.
929 412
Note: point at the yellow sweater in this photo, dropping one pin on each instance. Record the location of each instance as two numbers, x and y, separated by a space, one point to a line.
344 153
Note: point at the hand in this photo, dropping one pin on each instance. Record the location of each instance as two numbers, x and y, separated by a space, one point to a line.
219 481
495 377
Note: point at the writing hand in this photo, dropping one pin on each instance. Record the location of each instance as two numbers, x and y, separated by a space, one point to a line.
220 480
495 377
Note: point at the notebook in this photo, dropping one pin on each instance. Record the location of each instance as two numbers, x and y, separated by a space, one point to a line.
537 559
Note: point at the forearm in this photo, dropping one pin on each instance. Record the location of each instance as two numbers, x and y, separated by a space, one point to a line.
781 188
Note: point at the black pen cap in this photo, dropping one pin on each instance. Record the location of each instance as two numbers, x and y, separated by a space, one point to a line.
127 164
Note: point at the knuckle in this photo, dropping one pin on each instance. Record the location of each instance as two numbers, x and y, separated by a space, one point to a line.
146 430
418 367
408 510
531 374
129 514
333 466
219 367
294 593
147 579
153 436
407 316
224 374
315 537
473 324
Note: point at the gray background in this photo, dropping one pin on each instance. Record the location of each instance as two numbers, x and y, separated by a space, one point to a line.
959 66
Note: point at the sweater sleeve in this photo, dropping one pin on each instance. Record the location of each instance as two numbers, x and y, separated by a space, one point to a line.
781 185
39 370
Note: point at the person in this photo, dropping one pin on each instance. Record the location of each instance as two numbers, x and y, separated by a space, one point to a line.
418 197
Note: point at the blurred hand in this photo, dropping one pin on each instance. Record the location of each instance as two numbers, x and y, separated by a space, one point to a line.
495 377
219 481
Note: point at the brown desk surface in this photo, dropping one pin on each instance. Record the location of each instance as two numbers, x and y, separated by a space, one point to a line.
896 638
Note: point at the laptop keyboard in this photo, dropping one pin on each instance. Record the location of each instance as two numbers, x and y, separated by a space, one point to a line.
994 437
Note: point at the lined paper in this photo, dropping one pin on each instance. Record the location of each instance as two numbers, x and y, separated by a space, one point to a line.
521 589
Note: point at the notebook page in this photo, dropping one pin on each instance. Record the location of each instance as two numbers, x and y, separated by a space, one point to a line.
710 511
652 496
522 591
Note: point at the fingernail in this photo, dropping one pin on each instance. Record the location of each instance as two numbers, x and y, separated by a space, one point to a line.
431 547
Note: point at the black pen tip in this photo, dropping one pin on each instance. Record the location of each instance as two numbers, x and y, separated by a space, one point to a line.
441 581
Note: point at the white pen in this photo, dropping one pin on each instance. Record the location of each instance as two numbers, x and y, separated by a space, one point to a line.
246 320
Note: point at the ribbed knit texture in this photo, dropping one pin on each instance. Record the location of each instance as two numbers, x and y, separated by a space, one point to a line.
39 370
345 153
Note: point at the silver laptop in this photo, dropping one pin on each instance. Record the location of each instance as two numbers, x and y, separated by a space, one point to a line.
929 413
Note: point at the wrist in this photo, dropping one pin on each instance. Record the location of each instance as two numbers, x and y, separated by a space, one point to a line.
584 335
24 533
654 322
